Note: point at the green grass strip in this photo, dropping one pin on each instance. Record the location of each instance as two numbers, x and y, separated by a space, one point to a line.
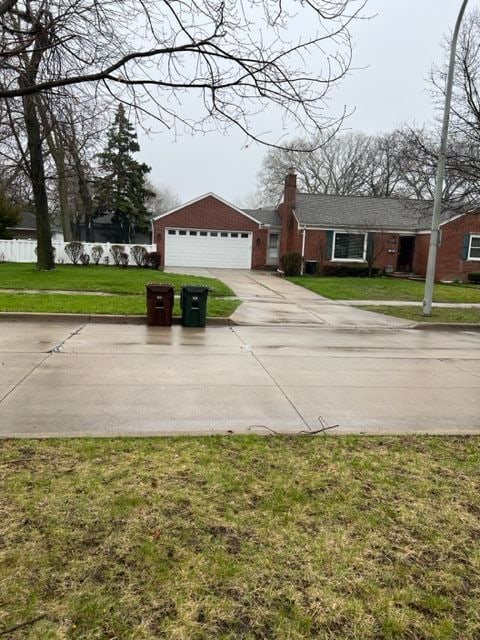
117 305
385 289
471 316
15 275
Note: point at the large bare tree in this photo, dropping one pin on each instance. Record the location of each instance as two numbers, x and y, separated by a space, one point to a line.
462 180
237 58
400 164
342 164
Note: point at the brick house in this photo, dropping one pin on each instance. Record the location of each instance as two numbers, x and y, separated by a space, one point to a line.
210 232
388 233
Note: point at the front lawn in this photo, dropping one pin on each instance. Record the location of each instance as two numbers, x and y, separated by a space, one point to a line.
240 538
471 316
116 304
385 289
16 275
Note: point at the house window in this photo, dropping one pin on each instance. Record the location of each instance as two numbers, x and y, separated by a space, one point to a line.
273 245
193 233
203 233
349 246
182 232
224 234
244 235
474 248
214 234
172 232
234 235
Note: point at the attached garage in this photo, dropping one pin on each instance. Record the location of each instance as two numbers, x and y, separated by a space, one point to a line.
210 232
208 248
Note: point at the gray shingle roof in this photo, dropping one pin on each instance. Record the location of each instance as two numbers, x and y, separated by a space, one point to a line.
29 221
365 212
268 215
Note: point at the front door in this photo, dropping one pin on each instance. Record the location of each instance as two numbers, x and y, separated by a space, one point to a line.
272 248
406 247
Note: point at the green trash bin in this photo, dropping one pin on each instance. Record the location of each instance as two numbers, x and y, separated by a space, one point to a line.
193 302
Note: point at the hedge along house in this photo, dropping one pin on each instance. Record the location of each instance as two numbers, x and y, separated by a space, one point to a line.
390 234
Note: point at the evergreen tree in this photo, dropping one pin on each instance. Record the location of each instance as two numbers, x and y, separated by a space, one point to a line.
122 190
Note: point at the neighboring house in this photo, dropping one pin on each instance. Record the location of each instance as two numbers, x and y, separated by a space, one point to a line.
26 229
104 228
388 233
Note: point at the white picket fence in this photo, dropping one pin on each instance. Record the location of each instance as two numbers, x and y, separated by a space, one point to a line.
25 250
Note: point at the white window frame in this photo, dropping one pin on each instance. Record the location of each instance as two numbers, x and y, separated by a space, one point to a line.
350 233
470 257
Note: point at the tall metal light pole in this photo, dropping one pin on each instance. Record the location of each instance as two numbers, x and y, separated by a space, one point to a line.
437 204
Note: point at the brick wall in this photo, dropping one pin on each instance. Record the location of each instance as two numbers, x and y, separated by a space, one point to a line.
450 263
210 213
385 248
420 256
315 245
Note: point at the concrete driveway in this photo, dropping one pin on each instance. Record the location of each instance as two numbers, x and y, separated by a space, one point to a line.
66 379
270 300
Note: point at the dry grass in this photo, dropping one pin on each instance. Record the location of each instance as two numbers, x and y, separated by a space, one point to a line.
241 538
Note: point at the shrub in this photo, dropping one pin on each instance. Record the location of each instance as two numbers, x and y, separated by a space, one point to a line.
85 259
116 250
350 270
138 253
152 260
291 263
106 261
474 277
74 250
124 259
97 253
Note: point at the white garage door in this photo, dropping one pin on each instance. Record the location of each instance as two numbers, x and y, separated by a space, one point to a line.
199 248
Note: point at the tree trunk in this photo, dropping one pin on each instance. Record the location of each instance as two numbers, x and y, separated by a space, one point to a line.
45 257
57 151
62 184
85 195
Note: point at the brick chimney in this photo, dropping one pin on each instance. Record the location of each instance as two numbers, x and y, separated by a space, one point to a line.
286 209
290 190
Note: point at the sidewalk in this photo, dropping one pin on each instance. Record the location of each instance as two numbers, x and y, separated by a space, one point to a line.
73 379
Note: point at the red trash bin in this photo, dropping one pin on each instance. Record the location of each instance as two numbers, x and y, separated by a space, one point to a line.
160 299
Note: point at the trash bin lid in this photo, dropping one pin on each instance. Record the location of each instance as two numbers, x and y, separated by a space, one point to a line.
190 288
159 288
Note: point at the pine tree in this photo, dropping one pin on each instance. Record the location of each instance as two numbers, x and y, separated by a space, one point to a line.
122 190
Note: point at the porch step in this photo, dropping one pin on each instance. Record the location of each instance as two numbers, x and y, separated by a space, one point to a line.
405 275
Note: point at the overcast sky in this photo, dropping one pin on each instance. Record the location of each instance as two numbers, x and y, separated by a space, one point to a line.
393 53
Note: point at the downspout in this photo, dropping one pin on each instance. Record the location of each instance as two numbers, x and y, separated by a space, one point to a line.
303 251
